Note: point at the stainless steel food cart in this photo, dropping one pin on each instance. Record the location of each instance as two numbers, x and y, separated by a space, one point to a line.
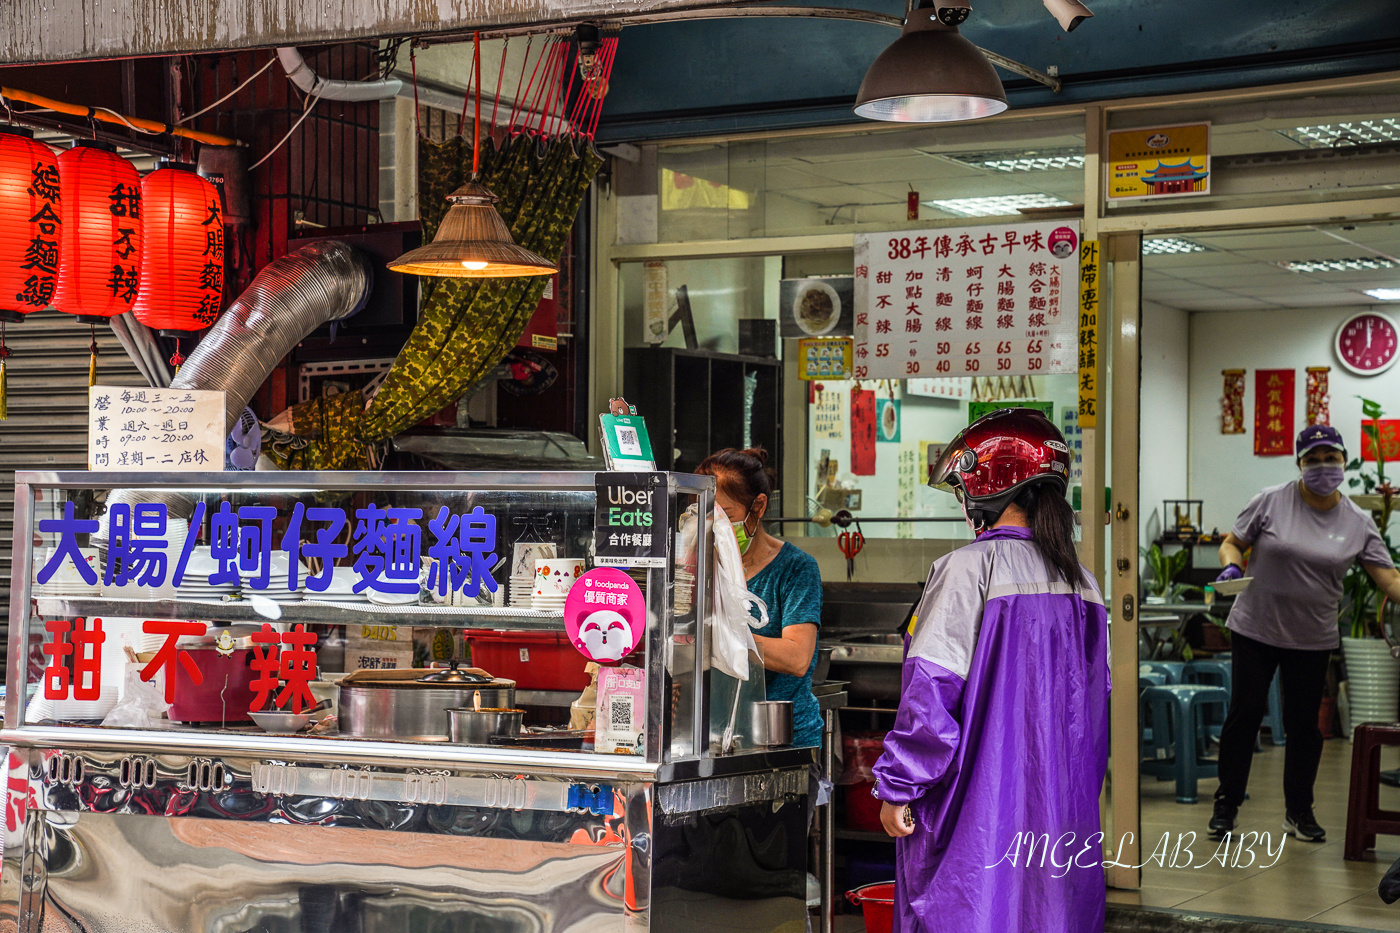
209 828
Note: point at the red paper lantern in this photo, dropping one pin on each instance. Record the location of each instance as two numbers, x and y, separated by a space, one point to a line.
101 241
182 264
29 224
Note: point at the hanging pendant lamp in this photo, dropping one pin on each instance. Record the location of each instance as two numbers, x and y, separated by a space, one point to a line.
930 74
473 242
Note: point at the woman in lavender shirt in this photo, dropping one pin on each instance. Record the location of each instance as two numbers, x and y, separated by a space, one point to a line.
1304 536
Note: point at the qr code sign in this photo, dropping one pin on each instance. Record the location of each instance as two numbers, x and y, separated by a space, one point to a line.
627 441
620 713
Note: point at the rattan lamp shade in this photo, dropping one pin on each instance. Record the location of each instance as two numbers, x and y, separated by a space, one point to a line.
472 242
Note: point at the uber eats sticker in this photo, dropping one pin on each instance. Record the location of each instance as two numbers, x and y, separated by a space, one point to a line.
630 524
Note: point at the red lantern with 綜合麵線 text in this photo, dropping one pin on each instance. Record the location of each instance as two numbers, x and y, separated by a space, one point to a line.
182 264
30 224
29 234
101 241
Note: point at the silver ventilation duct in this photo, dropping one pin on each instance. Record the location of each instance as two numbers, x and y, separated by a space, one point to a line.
292 296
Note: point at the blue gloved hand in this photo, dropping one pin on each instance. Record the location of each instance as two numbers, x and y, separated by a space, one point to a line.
1232 572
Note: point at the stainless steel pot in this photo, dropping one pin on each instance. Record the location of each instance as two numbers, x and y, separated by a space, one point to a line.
470 726
772 722
399 705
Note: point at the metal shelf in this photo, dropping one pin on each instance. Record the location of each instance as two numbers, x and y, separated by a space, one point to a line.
309 611
863 835
563 698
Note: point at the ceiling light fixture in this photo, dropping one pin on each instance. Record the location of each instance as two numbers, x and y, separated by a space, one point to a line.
1356 133
931 73
1047 160
1361 264
1171 246
996 205
1384 294
473 242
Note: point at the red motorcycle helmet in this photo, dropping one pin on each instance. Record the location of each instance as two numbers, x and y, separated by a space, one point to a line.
998 455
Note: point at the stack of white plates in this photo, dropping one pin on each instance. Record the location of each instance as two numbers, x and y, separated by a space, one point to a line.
173 546
342 588
522 591
392 599
196 582
70 709
551 603
66 580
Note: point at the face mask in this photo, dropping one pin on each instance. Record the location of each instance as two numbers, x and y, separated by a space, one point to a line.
1323 480
741 534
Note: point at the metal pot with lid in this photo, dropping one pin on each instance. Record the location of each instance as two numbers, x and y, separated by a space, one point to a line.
411 704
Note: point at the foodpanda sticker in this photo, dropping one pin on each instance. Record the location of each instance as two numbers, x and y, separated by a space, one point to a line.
1062 242
605 615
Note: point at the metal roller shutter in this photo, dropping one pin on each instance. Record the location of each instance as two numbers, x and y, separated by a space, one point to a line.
47 427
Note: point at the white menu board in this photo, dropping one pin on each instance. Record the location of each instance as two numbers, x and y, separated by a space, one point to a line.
976 301
135 428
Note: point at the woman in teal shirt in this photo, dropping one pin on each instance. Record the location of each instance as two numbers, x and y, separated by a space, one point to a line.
785 577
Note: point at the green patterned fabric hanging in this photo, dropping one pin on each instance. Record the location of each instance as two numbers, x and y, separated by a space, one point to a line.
465 326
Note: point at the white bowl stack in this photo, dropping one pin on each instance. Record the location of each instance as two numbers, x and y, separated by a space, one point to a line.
522 571
342 588
195 585
66 581
176 532
277 586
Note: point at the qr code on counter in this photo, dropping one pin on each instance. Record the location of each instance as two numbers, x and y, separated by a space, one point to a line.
620 713
627 441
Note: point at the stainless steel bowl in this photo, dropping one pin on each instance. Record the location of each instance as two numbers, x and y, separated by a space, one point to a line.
772 722
397 705
471 726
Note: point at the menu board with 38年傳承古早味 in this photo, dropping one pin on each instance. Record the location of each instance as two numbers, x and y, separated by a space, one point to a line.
969 301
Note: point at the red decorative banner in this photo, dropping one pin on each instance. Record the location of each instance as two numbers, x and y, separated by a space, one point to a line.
1319 402
862 432
1273 412
1232 402
1390 441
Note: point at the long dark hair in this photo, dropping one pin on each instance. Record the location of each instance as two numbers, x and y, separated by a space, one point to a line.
1051 522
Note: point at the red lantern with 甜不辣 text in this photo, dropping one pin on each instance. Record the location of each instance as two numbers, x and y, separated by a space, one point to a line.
101 269
182 265
30 222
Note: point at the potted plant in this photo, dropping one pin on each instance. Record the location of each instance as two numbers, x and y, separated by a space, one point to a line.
1162 587
1373 675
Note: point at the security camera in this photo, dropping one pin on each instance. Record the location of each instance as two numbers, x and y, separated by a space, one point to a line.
952 12
1069 13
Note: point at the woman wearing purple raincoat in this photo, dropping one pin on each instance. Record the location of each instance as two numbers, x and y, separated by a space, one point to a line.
990 777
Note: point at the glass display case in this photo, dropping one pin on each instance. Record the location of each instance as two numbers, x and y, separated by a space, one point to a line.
212 669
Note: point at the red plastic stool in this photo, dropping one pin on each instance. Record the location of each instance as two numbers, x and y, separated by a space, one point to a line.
1365 818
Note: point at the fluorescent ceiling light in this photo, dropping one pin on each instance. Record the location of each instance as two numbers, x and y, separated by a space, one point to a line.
1043 161
1384 294
1171 245
1331 135
1360 264
997 205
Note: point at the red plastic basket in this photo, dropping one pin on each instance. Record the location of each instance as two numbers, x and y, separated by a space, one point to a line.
876 902
534 660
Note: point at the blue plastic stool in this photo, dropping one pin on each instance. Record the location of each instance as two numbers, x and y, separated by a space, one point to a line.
1145 680
1171 670
1273 720
1213 673
1177 744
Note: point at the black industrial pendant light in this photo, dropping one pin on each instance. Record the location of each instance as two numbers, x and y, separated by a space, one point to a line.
931 73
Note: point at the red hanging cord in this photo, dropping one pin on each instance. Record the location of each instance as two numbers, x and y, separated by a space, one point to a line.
500 78
524 105
515 103
176 358
556 81
572 67
581 102
476 125
466 99
595 81
603 87
534 107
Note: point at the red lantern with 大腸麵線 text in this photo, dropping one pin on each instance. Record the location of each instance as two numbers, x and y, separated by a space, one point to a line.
182 261
101 241
30 223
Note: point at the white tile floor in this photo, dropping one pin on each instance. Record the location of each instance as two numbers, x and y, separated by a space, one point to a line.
1309 881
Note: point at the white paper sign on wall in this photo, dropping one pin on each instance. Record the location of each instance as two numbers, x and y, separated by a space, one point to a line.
139 428
975 301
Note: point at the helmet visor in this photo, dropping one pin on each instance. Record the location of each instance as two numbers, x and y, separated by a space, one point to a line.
947 472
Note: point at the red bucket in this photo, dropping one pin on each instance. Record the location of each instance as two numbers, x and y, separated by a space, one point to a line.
876 901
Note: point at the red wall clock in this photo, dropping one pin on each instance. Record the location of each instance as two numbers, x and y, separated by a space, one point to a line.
1367 343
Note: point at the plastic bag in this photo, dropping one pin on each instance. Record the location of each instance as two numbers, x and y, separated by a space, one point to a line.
731 622
142 706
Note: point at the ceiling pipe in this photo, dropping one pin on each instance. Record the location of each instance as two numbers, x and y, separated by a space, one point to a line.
308 82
